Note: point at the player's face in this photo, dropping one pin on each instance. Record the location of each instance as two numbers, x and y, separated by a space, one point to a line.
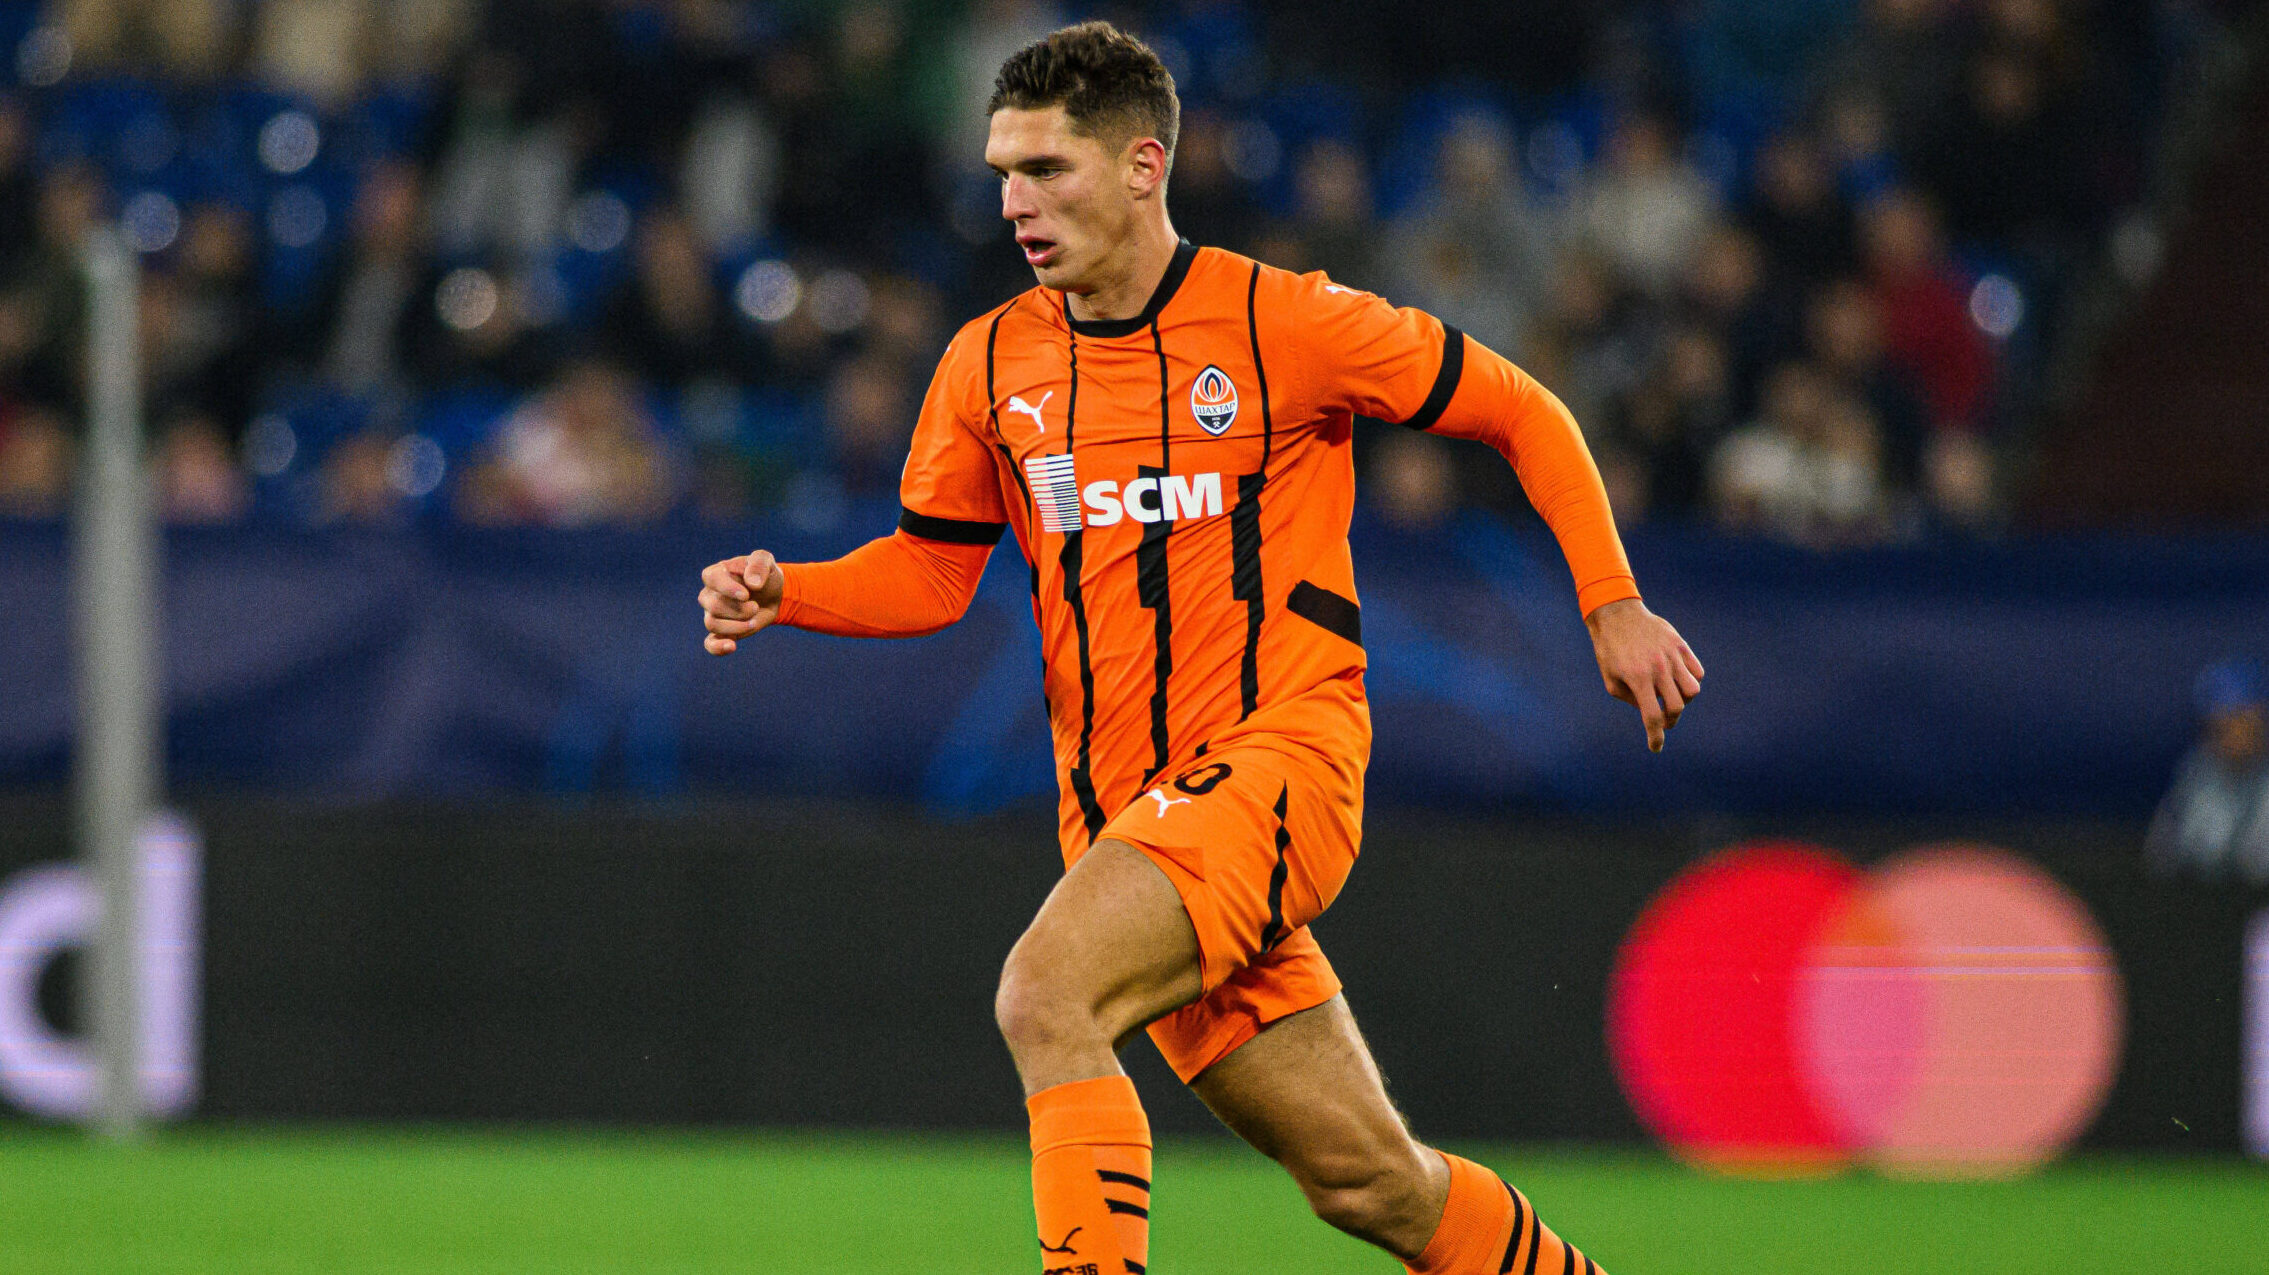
1072 201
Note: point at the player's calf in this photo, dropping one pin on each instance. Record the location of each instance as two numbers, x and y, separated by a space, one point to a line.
1382 1196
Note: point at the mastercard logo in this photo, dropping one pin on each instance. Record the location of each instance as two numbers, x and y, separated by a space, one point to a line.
1213 401
1954 1012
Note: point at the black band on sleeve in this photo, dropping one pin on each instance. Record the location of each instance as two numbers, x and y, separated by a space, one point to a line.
1327 610
1446 383
952 531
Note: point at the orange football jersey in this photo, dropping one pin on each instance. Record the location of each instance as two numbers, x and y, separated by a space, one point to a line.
1181 483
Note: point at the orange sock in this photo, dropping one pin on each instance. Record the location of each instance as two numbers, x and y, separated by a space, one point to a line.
1488 1228
1091 1177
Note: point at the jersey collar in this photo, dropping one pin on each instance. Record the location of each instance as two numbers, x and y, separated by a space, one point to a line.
1184 254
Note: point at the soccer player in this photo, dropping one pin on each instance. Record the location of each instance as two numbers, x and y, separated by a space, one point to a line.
1166 430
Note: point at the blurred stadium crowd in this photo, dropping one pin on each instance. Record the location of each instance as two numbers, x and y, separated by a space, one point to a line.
1797 265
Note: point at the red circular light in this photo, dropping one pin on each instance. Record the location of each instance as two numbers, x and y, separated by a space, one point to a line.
1699 1007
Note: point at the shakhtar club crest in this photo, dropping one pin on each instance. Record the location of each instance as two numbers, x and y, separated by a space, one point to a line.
1213 400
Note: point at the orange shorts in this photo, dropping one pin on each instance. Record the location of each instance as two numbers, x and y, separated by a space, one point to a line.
1257 838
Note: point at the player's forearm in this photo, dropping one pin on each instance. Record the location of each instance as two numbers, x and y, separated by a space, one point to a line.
899 586
1501 405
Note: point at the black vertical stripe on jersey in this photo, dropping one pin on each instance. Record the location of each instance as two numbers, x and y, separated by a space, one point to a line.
1273 932
1071 561
993 400
1082 771
1245 583
1260 369
1151 575
1151 591
1031 513
1032 563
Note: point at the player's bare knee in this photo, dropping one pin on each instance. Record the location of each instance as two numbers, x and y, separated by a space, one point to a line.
1031 1011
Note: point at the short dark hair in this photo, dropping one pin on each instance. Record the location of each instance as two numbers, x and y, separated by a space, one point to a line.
1109 83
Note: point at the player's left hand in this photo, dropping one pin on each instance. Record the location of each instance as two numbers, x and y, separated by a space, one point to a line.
1645 664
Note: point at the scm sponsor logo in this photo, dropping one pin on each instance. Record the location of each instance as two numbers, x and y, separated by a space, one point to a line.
1166 499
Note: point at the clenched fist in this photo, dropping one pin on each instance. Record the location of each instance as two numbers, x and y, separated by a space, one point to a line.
738 597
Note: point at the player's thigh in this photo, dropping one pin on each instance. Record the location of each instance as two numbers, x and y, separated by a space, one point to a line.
1111 941
1306 1093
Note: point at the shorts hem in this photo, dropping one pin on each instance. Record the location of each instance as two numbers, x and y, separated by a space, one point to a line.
1241 1031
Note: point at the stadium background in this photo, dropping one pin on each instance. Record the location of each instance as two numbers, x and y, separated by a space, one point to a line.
1919 341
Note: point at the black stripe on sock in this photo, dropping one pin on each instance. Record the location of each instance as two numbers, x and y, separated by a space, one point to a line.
1445 381
1273 932
953 531
1590 1267
1123 1179
1570 1267
1512 1242
1121 1206
1535 1242
1327 610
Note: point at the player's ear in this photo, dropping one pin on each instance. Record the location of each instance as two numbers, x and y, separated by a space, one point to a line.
1145 166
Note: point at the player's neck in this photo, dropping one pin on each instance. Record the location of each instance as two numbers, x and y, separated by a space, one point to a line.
1127 282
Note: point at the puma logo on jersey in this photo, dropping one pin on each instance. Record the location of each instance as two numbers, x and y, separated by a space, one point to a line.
1159 795
1213 401
1017 404
1065 506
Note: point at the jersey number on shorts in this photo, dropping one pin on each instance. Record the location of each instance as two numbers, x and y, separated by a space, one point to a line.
1204 780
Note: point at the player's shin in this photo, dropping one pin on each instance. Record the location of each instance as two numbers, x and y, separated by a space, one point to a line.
1488 1228
1091 1177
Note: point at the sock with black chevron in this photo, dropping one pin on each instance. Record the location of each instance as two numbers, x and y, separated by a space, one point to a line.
1091 1177
1488 1228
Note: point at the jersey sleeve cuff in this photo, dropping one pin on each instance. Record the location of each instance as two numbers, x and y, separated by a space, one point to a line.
789 599
1597 594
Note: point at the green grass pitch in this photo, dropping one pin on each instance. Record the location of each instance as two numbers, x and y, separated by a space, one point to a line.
485 1202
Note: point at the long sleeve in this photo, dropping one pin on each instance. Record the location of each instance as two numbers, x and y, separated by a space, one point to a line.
902 585
921 579
1405 365
1498 404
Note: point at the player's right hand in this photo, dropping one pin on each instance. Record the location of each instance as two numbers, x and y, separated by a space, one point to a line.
738 597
